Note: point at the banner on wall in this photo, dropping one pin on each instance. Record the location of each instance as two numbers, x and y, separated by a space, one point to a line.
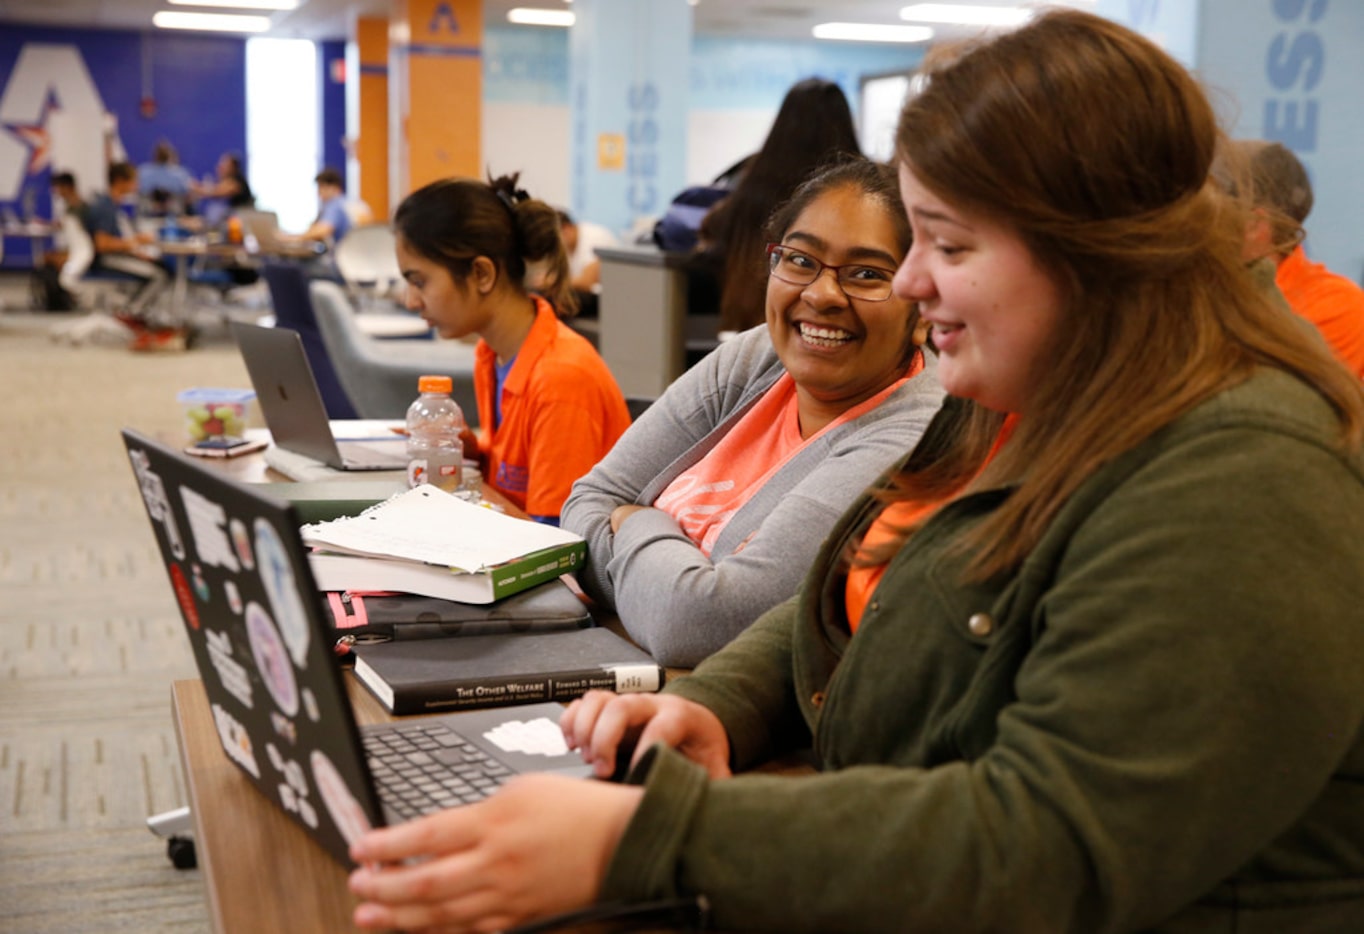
52 118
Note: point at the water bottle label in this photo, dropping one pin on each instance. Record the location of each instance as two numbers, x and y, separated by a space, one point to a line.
416 472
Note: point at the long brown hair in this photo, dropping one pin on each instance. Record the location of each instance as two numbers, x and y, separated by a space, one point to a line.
456 220
1095 147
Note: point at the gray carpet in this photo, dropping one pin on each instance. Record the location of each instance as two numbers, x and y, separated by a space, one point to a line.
89 636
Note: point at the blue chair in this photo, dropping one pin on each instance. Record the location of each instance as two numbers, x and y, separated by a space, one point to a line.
288 284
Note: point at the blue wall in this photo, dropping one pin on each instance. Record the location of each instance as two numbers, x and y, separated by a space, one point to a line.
331 62
196 82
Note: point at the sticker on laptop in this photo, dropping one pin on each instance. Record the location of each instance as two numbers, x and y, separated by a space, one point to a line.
271 659
236 741
277 576
241 542
345 811
208 528
231 672
538 737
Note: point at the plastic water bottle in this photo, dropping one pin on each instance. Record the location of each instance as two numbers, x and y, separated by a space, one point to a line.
434 450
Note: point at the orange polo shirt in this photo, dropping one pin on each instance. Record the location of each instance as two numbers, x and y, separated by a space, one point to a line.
561 412
1331 302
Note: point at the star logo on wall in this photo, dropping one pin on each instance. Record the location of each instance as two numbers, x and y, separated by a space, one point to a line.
39 143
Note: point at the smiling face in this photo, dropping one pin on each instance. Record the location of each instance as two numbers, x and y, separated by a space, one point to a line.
454 309
840 351
993 310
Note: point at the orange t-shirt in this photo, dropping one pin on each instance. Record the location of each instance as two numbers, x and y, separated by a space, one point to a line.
706 496
862 579
1331 302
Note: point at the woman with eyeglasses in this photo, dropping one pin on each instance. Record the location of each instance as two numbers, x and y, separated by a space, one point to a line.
711 507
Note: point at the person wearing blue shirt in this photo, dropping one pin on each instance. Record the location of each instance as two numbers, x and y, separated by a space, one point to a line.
333 221
164 183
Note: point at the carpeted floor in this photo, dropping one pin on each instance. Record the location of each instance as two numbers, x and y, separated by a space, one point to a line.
90 639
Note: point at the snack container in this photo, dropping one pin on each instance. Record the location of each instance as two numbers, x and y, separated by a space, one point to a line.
215 414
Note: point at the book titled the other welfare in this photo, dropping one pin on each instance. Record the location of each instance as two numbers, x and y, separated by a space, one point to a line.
427 541
432 675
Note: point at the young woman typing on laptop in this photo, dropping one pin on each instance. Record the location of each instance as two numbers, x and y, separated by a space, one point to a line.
548 408
1096 667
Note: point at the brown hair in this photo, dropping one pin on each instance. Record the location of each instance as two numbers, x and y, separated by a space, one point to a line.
456 220
1095 147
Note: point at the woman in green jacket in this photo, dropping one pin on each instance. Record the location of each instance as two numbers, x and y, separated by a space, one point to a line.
1090 660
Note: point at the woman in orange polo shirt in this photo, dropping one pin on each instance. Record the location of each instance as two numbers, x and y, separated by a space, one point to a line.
548 407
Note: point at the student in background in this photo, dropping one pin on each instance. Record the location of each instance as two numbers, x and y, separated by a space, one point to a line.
813 127
1097 670
333 219
229 190
710 509
1283 199
120 248
164 183
548 408
581 240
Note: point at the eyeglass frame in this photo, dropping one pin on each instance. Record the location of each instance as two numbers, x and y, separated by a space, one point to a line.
775 250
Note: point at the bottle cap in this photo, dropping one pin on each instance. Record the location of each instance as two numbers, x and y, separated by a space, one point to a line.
435 384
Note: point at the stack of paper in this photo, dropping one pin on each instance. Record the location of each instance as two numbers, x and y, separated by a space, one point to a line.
426 541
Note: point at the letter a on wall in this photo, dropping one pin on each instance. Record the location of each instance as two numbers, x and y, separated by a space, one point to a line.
443 14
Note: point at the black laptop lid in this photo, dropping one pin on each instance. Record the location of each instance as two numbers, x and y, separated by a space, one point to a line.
240 576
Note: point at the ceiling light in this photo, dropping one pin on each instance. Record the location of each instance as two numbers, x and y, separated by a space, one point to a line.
962 15
241 4
215 22
529 16
872 32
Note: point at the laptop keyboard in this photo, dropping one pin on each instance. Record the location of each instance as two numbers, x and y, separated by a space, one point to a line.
424 767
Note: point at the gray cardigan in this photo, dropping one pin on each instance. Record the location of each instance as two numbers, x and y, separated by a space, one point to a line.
676 602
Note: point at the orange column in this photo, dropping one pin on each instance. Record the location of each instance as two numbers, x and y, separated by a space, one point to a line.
436 91
370 126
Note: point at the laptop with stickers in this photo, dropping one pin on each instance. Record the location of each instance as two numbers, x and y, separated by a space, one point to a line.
293 407
240 575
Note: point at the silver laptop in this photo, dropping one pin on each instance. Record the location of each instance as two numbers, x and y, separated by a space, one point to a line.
262 225
293 408
240 574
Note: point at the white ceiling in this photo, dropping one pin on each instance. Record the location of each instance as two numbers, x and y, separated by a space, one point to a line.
329 19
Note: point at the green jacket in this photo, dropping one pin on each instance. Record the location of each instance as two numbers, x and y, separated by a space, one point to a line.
1155 725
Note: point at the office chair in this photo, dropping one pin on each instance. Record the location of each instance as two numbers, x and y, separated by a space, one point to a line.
288 284
380 376
367 262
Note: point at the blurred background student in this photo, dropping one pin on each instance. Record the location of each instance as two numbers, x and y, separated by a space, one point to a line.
813 127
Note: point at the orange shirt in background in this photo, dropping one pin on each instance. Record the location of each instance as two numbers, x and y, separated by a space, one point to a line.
1331 302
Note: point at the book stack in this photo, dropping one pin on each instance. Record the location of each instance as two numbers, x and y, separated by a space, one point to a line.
426 541
430 543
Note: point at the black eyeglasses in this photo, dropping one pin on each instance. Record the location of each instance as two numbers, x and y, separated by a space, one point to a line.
866 283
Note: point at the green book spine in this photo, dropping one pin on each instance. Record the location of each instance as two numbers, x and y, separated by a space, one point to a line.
537 568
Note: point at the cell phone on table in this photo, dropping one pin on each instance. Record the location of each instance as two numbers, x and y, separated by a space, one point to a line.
226 447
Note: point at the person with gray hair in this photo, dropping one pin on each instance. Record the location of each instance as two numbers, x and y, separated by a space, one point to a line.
1282 196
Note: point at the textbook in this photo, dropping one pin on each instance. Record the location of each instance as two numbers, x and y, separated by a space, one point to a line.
430 542
432 675
381 617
